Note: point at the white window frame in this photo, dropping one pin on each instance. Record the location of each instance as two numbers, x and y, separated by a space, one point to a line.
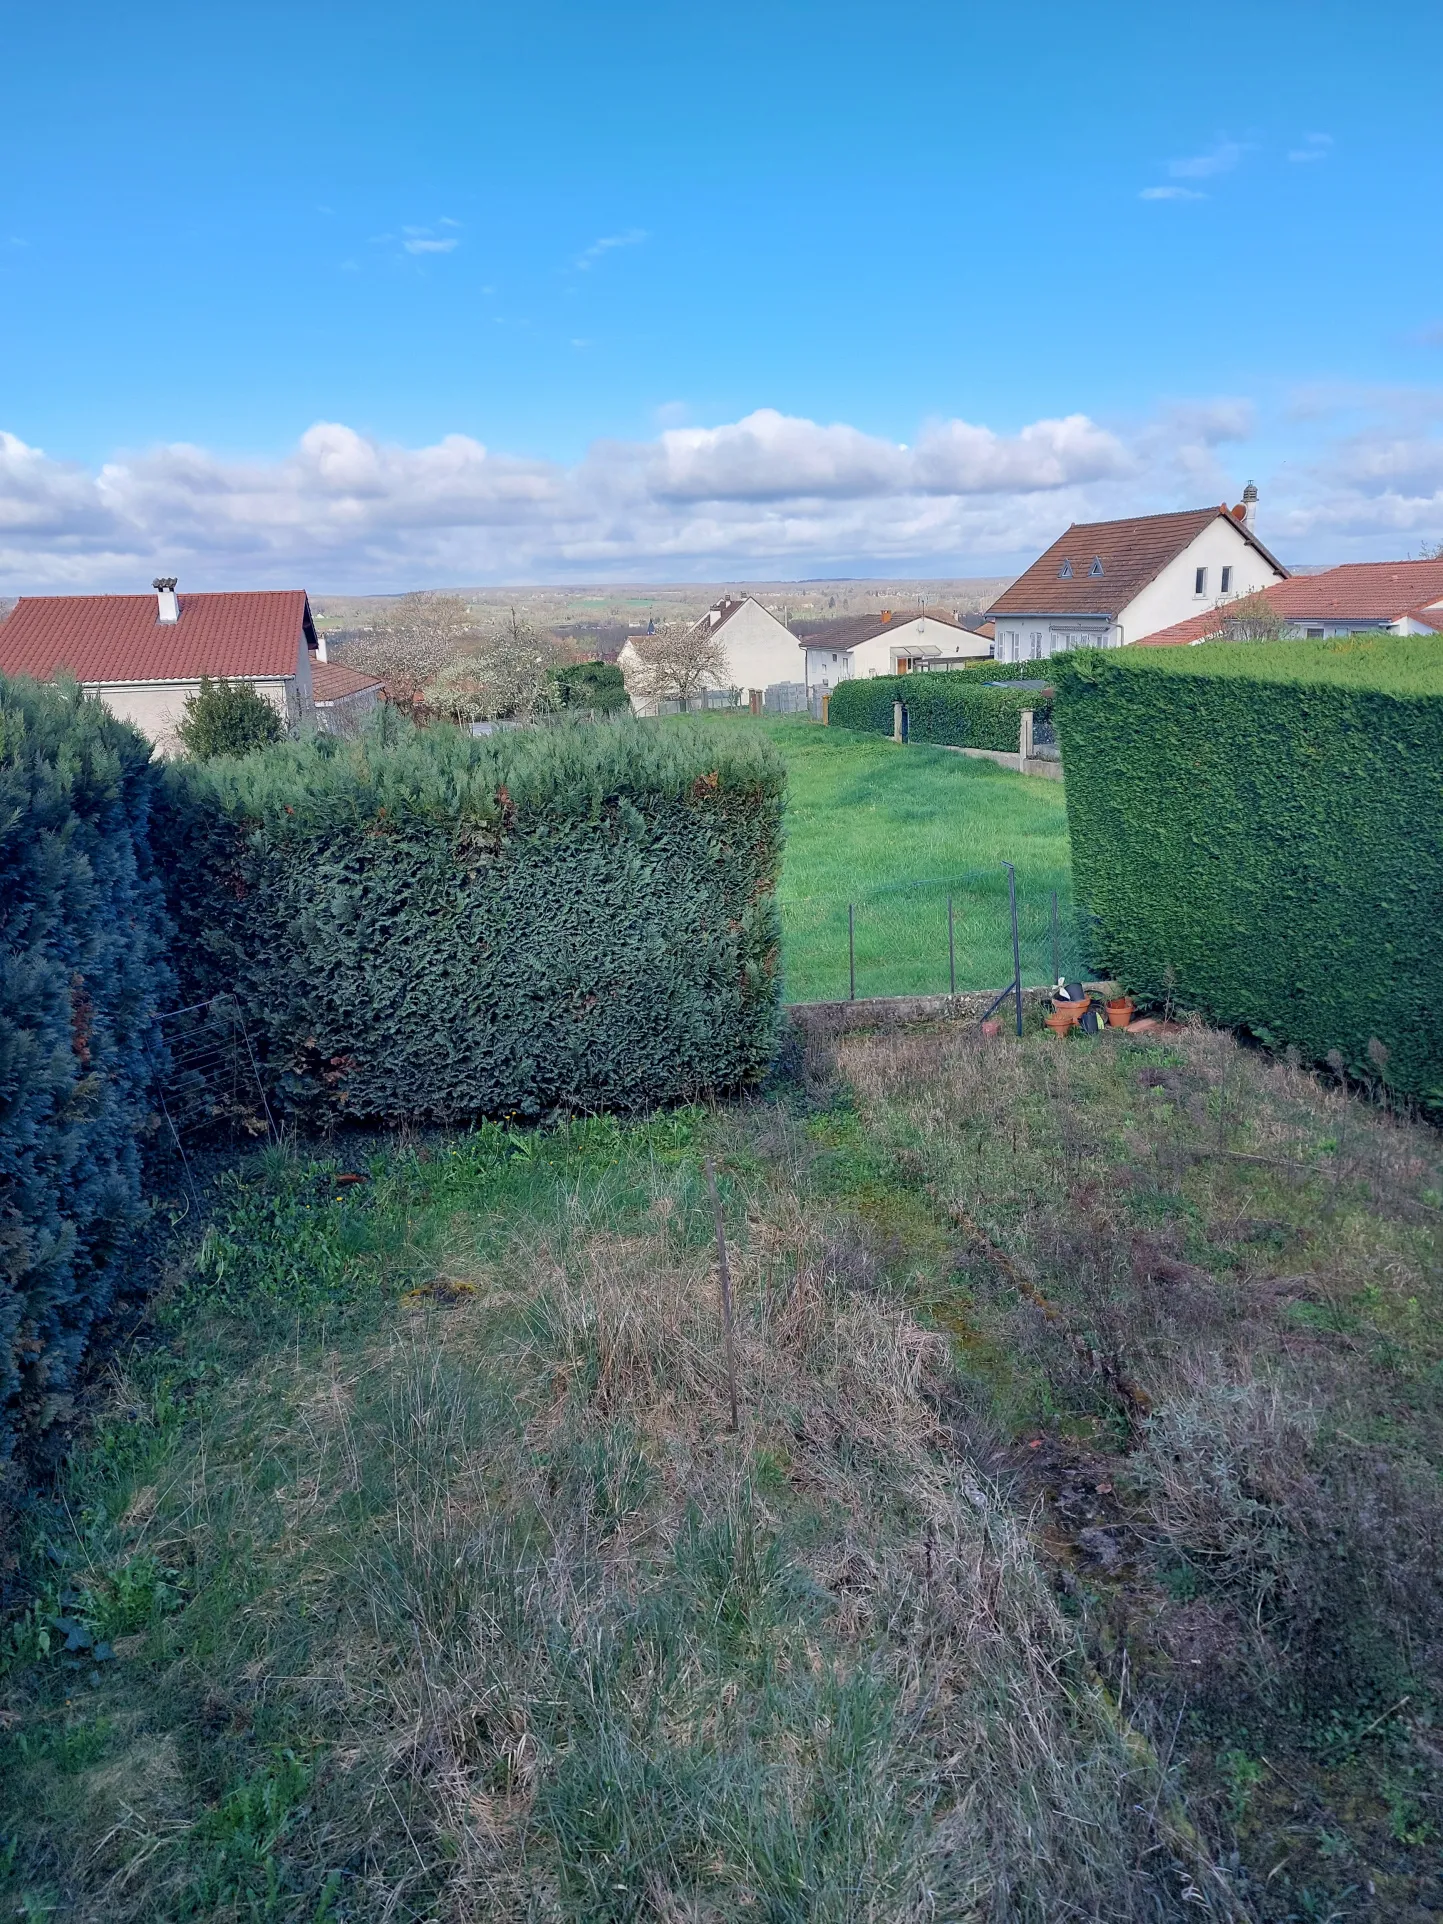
1225 581
1199 583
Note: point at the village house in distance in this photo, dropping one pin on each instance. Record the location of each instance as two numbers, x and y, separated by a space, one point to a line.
1105 584
761 651
145 655
896 641
765 657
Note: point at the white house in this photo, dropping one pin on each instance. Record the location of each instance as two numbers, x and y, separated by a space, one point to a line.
1390 597
1104 584
145 654
761 652
896 641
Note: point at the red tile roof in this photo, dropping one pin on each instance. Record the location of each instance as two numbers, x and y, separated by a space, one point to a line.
1355 591
1132 552
333 681
1196 628
118 638
1360 591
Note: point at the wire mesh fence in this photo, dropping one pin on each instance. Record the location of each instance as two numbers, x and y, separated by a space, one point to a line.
937 936
212 1085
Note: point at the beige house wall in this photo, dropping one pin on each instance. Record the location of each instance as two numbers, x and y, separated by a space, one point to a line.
157 707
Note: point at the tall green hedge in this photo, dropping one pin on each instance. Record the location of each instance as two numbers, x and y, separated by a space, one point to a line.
83 972
1007 670
1257 828
442 928
952 707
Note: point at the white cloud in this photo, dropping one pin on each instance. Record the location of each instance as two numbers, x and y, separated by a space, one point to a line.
770 494
1171 193
587 259
1314 147
422 244
1218 160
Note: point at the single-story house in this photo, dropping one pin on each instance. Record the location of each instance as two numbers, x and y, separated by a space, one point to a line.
1107 583
144 655
343 696
1393 597
895 641
761 651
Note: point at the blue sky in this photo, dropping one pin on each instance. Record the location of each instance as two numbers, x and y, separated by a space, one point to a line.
393 295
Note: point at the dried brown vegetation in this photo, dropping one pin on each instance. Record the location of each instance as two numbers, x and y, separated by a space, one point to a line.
1077 1555
1213 1283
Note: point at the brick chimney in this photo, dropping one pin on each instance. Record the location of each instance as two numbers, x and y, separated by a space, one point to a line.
167 607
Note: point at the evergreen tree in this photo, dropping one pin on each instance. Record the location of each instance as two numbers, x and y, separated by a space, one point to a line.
227 718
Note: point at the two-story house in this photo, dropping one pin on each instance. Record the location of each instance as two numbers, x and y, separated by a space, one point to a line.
1104 584
760 651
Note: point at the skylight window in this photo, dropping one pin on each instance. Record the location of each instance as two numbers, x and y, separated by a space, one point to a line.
1064 573
1096 568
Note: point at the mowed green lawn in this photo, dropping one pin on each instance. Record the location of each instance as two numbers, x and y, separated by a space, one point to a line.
895 832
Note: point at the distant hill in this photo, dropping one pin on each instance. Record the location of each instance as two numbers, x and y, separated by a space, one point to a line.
601 617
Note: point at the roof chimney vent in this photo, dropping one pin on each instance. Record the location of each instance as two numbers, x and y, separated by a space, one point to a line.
1250 508
167 607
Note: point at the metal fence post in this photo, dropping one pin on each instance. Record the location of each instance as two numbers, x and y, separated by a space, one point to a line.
851 953
1016 947
951 951
1056 952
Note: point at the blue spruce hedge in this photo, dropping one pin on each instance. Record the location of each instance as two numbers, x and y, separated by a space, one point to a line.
83 973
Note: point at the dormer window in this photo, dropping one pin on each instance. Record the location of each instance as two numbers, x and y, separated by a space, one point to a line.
1096 568
1064 573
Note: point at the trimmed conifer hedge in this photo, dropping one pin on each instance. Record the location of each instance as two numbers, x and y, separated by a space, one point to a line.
441 928
952 707
1257 830
83 973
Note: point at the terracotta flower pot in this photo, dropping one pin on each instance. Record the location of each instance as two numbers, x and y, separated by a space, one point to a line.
1119 1011
1059 1020
1074 1010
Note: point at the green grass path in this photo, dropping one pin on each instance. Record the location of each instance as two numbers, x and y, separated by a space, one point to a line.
895 831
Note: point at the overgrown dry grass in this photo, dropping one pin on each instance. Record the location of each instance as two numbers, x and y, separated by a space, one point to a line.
1204 1285
486 1613
1077 1554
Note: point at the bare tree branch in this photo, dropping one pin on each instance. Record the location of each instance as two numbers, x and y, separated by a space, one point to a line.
677 663
1254 618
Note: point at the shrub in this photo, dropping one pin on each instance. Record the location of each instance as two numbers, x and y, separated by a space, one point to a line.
423 925
954 708
82 975
1258 831
596 687
1006 670
227 718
